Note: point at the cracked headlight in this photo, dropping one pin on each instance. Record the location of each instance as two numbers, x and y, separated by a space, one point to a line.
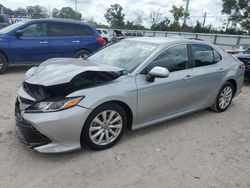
54 105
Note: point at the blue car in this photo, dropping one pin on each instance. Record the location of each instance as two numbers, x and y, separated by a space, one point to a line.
245 58
37 40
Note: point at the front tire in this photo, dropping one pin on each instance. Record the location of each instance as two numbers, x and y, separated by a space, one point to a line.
104 127
3 63
224 98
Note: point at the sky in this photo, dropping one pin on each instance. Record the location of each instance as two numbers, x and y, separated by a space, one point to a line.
97 8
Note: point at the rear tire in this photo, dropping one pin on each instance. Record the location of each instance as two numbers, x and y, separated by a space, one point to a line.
105 41
82 54
104 127
3 63
224 98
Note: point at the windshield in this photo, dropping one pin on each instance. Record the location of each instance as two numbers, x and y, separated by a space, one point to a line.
11 27
125 54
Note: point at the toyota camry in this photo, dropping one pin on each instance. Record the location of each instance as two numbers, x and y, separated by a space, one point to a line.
66 103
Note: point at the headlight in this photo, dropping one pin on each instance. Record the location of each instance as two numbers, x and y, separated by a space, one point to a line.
54 105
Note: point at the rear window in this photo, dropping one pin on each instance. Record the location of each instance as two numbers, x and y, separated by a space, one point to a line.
62 29
99 31
104 31
67 29
84 30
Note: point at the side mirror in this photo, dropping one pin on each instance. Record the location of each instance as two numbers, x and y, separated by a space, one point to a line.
19 33
157 72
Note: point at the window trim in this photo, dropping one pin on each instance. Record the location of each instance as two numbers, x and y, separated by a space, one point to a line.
162 51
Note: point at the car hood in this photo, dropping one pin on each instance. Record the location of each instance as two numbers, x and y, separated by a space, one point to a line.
62 70
242 55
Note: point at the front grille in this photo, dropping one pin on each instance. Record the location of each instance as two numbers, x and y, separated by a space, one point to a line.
246 62
26 132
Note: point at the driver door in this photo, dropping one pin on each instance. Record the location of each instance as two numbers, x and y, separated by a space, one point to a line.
170 95
32 46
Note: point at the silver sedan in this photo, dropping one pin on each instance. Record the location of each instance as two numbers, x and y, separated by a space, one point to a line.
65 103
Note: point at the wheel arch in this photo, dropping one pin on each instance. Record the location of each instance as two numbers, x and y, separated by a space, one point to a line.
5 55
234 83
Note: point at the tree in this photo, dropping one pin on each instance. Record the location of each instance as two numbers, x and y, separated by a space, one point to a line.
37 11
178 14
161 26
238 12
134 26
66 12
114 16
139 17
20 12
154 18
5 10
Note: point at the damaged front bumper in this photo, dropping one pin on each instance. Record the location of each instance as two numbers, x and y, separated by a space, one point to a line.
50 132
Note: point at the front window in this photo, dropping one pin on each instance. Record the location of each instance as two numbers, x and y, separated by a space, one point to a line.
125 54
35 30
174 59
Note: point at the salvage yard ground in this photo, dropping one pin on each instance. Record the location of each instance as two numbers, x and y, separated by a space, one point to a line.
204 149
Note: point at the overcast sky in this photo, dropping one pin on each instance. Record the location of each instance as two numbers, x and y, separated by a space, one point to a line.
97 8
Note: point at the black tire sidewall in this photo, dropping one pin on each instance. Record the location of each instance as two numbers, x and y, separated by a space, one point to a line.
227 84
78 54
85 137
3 61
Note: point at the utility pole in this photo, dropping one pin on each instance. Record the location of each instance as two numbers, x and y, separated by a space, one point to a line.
204 20
76 5
186 11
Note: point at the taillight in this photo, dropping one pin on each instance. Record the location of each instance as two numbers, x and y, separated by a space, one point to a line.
242 66
100 40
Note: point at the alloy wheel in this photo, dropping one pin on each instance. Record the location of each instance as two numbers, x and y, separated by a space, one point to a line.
105 127
225 97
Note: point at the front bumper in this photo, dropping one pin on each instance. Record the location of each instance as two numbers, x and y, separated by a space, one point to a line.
51 132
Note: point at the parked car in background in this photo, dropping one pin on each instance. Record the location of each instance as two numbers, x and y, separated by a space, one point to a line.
67 103
4 21
37 40
105 35
239 48
245 58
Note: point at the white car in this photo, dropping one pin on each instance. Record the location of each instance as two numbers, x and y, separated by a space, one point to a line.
105 35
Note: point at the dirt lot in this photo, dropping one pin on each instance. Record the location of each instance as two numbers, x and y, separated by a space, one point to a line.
204 149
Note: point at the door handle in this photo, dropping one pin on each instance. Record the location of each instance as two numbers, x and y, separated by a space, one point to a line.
187 77
75 41
220 70
43 42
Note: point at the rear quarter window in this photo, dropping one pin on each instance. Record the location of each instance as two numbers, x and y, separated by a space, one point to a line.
84 30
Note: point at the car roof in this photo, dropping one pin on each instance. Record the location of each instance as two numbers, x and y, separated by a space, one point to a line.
62 20
163 40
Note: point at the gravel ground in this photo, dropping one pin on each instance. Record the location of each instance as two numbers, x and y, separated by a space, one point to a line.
204 149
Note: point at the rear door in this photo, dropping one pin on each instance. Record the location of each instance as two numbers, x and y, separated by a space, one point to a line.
63 39
33 46
208 73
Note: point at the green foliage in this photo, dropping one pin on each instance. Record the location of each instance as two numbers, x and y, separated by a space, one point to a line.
133 26
37 11
162 26
114 16
238 12
154 18
66 12
179 13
